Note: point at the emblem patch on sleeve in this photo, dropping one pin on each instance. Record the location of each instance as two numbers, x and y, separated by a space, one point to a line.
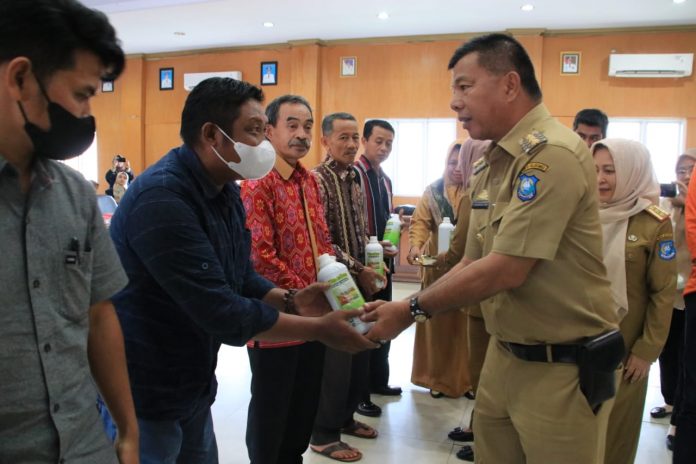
527 188
667 250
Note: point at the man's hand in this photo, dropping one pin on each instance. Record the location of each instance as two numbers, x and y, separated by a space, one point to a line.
389 250
310 301
390 318
636 369
413 253
337 333
368 278
127 449
127 165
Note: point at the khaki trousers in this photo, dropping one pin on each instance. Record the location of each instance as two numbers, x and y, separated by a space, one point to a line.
534 413
478 344
625 422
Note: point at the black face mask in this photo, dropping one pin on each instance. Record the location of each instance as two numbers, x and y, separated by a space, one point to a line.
68 137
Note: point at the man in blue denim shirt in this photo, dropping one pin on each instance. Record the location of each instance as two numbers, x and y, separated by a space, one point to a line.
180 233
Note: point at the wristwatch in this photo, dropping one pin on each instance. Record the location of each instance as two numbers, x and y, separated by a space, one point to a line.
416 312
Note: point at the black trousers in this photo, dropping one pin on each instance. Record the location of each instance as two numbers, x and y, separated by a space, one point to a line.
343 385
379 358
671 360
685 440
671 357
285 388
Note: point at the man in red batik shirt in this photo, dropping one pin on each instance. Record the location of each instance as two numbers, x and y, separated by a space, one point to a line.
289 232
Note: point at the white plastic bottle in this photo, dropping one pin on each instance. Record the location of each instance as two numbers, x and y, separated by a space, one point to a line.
374 258
343 292
392 230
444 235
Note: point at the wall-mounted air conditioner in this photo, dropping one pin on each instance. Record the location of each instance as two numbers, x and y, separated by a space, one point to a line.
193 79
651 65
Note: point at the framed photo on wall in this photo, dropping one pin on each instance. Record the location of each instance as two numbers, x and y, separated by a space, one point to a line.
269 73
166 78
107 86
570 63
349 66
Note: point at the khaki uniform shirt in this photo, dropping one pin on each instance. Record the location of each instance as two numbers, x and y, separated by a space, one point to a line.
650 281
540 187
458 244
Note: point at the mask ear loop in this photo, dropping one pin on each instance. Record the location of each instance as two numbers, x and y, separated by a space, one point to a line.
43 92
21 108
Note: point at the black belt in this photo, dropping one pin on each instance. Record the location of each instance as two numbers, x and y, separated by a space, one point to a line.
544 353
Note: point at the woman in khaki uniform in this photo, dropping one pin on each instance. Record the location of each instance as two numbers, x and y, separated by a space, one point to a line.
477 338
439 350
639 255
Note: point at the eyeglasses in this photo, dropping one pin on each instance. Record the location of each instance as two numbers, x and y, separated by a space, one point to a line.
685 170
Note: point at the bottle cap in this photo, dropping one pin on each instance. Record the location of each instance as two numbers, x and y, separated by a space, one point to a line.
326 259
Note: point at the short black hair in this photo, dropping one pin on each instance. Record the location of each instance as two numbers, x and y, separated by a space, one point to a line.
500 54
592 117
372 123
216 100
273 108
49 32
327 122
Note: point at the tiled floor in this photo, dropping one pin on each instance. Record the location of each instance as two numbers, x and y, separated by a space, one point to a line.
413 428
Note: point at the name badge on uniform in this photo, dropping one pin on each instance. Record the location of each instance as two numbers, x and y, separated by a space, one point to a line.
481 200
527 189
667 250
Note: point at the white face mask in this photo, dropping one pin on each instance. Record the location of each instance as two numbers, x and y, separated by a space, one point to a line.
254 162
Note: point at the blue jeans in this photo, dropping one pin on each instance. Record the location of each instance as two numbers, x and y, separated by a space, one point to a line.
190 440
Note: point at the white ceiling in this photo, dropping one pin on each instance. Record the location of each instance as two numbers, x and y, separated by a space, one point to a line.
149 26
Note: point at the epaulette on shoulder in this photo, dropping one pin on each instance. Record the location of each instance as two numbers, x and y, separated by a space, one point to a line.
531 141
657 212
478 166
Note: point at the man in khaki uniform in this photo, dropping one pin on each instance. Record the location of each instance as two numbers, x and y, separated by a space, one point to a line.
541 281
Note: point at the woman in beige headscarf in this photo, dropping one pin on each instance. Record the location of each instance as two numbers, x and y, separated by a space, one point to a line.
639 255
440 348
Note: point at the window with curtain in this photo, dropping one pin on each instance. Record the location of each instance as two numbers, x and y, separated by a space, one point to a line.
87 163
663 137
418 154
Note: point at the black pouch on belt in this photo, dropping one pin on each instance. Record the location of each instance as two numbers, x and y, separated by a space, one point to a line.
598 359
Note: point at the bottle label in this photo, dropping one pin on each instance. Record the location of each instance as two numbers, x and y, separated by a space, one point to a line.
345 292
374 260
392 234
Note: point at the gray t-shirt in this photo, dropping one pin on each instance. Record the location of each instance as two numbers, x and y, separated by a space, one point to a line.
57 260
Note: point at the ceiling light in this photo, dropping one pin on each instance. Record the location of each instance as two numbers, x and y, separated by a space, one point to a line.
679 1
527 7
268 24
383 15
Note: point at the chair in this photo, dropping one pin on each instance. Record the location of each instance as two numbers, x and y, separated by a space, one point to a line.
107 204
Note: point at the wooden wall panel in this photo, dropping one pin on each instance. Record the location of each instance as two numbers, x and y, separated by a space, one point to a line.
618 97
394 80
119 120
305 76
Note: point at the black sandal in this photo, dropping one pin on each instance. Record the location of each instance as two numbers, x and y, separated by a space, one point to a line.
659 412
459 434
466 453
